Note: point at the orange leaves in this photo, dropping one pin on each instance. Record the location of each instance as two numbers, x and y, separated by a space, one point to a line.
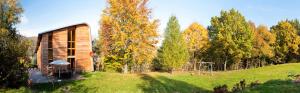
263 42
196 37
132 30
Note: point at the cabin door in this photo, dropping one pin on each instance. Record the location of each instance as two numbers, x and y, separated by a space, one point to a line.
72 64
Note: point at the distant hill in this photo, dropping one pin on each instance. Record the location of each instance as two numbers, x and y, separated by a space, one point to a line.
33 45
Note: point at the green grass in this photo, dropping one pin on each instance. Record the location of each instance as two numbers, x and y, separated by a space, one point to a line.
273 78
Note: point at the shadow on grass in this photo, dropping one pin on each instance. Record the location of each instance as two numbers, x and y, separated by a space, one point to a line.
63 87
48 87
275 86
162 84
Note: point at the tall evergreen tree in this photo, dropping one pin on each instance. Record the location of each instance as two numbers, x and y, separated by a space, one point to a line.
174 50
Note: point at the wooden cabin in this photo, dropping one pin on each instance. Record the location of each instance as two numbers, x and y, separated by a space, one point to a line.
71 43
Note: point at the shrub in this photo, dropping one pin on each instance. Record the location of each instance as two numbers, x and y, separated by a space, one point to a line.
253 84
239 86
113 66
221 89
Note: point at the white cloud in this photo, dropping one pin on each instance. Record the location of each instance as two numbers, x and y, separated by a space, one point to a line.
28 33
24 20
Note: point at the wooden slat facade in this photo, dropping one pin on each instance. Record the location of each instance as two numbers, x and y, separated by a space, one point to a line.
83 47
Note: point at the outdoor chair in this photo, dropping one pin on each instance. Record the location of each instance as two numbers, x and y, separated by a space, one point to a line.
50 75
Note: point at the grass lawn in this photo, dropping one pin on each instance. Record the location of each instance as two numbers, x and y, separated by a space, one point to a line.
273 78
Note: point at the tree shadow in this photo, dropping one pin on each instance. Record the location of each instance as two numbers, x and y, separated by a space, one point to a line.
49 87
162 84
63 87
275 86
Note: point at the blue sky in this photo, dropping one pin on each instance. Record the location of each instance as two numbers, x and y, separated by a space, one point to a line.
43 15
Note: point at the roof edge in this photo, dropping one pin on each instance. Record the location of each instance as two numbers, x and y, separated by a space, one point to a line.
64 27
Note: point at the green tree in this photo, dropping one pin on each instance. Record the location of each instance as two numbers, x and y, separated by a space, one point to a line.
174 50
196 37
96 54
13 47
296 24
231 38
133 35
287 41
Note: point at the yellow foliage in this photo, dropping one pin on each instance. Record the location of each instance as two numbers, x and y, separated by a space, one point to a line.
287 40
133 34
196 37
263 42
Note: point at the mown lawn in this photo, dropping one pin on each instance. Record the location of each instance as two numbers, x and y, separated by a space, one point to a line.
273 78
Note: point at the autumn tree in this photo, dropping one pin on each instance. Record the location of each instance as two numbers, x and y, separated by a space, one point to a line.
174 50
13 47
296 24
263 44
196 37
107 60
127 34
231 38
287 41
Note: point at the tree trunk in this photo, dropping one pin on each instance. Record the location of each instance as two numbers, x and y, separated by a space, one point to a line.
194 62
225 63
171 71
195 65
247 64
101 64
125 68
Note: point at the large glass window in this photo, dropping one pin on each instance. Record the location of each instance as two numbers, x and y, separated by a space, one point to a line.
50 47
71 42
71 48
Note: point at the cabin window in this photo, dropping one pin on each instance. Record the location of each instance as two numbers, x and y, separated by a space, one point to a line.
71 48
50 47
71 42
